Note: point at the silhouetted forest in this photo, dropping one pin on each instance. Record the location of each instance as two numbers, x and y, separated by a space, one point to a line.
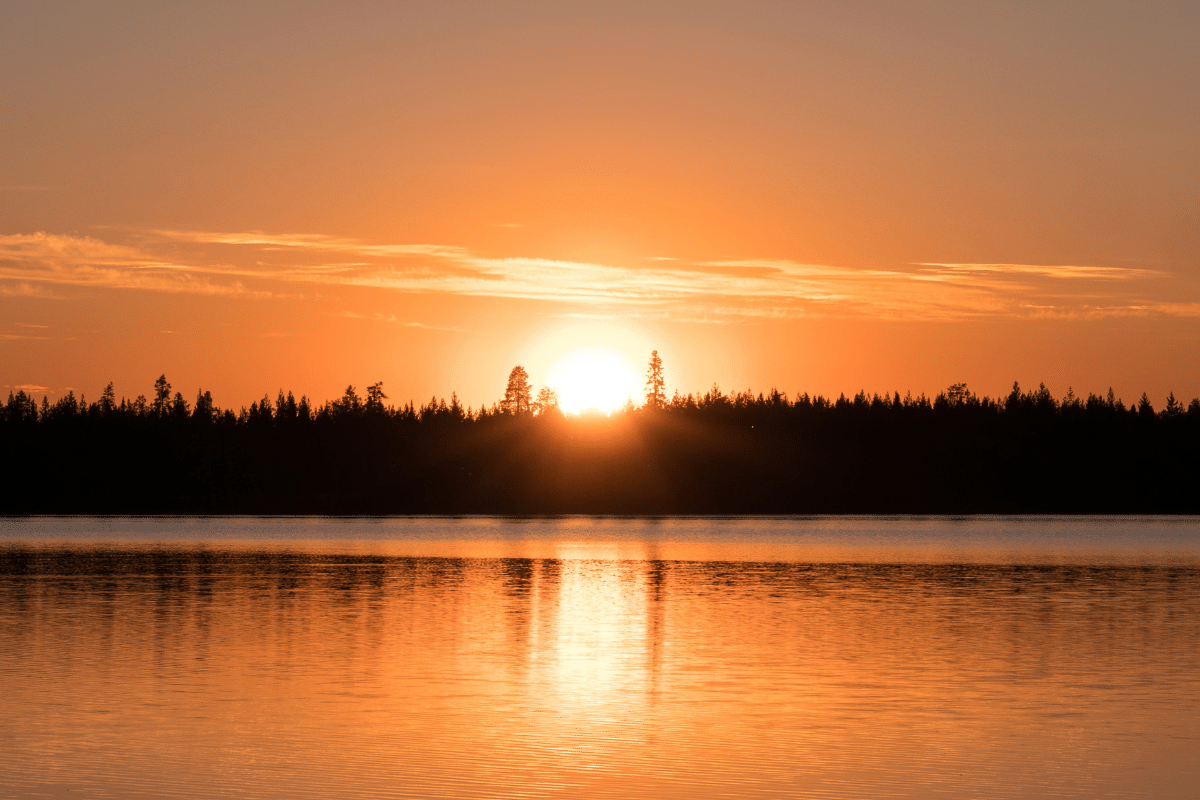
713 454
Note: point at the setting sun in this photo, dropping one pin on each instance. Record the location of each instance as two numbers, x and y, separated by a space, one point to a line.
594 377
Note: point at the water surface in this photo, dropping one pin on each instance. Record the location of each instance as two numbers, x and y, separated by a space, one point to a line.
600 658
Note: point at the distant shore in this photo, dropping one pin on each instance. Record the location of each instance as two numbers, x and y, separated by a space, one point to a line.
739 454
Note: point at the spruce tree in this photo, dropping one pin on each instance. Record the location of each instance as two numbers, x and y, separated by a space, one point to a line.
518 395
656 393
547 400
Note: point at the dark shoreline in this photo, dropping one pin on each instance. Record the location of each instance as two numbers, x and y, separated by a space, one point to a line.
717 455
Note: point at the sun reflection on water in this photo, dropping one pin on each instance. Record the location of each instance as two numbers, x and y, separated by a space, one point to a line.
598 668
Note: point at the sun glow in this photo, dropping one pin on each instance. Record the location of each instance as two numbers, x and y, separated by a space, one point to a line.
594 378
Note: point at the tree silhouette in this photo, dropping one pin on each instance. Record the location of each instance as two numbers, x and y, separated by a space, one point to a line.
656 394
162 396
547 400
108 400
375 398
712 453
1174 407
204 410
179 407
518 394
348 405
1144 407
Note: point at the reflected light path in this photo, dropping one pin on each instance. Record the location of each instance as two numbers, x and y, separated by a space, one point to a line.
194 666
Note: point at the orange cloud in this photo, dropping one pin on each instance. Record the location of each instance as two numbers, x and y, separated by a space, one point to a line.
713 291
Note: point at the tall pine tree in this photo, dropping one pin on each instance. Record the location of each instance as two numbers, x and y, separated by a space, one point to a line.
518 396
656 392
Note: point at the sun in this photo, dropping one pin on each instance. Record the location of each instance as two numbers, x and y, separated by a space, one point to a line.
594 378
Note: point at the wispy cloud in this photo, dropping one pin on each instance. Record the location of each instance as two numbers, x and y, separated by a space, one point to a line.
1178 309
26 289
41 258
394 320
1061 271
256 263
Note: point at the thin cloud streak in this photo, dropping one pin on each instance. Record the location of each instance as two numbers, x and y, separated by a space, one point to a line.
394 320
26 289
87 262
708 291
1065 272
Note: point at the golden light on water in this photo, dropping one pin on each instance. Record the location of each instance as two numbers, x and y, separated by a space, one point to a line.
585 657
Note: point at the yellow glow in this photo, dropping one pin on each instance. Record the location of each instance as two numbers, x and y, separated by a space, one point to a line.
595 378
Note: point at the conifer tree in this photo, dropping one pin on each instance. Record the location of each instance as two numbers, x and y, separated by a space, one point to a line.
349 404
108 400
162 396
547 400
656 393
204 410
375 398
518 398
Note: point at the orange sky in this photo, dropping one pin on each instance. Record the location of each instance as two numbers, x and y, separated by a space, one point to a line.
820 197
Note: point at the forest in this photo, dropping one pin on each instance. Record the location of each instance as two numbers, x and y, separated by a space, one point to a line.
718 453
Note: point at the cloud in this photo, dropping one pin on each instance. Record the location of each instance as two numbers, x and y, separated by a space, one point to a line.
392 319
1179 309
312 241
27 289
28 259
1063 272
256 263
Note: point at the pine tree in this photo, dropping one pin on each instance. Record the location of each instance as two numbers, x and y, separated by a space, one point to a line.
348 405
518 398
162 396
1174 407
375 398
179 407
547 400
108 400
204 409
656 393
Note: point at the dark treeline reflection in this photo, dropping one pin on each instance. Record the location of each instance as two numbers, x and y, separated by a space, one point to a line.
718 453
222 670
198 571
202 580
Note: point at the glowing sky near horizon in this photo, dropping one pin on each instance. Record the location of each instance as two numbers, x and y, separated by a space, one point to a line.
812 197
595 378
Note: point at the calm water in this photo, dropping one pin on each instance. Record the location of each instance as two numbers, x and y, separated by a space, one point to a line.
873 658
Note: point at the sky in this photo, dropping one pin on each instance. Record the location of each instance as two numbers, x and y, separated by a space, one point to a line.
813 197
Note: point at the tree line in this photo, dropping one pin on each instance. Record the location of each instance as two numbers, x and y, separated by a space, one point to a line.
715 453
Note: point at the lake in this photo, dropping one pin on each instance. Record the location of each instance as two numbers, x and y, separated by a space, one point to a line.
599 657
